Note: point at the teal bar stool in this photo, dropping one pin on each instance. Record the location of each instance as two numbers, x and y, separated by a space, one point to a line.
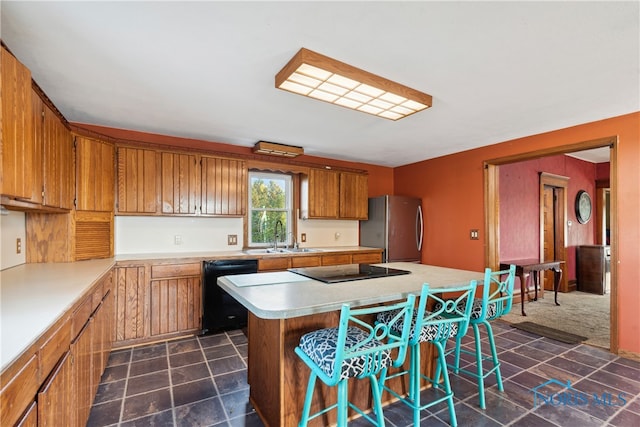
355 349
448 319
496 301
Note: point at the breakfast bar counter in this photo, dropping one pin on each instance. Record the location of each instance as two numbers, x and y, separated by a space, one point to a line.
284 306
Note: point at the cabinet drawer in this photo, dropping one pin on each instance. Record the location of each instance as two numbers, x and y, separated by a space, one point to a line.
336 259
305 261
368 258
176 270
54 348
19 392
273 264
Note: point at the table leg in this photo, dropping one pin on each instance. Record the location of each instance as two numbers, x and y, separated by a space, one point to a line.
557 274
536 280
523 285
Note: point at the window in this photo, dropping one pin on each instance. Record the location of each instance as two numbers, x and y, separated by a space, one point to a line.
270 204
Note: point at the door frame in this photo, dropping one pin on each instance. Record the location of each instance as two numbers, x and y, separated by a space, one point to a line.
560 241
492 211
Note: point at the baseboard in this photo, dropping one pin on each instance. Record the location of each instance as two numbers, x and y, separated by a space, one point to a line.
629 354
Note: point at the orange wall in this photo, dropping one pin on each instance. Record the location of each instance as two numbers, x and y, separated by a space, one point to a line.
451 189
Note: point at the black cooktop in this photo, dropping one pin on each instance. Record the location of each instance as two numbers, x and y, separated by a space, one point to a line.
347 272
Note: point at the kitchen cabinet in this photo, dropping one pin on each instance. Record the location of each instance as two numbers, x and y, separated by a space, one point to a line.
138 181
54 381
279 263
131 304
319 195
354 195
95 175
58 181
54 399
176 298
157 300
330 194
178 183
17 128
224 186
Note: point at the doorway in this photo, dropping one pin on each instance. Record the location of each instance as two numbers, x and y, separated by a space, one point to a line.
492 209
553 231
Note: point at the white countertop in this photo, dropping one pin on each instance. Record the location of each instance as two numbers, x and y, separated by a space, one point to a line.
34 296
303 297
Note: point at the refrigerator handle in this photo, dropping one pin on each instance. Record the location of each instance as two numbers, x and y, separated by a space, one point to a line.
420 227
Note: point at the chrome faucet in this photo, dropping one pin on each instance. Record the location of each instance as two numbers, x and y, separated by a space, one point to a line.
276 235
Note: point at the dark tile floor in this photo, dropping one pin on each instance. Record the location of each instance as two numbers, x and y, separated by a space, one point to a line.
201 381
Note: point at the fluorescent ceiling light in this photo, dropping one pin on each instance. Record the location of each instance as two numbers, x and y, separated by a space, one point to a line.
317 76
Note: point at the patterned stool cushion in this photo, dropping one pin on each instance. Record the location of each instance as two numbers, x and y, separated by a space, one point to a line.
428 333
320 346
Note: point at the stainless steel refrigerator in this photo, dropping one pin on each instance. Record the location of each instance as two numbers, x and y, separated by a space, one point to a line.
396 225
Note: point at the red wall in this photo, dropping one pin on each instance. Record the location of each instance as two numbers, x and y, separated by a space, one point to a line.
520 206
451 188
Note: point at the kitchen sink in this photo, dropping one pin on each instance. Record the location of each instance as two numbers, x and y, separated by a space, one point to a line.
263 251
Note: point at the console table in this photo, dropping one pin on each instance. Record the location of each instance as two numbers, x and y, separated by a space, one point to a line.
524 267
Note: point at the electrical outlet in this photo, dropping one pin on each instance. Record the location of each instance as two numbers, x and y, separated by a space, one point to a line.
18 245
303 237
177 239
232 239
473 235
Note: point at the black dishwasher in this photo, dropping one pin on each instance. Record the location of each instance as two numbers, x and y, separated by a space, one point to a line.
221 312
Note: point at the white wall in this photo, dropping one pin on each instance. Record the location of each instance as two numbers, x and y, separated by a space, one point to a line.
12 227
143 234
322 232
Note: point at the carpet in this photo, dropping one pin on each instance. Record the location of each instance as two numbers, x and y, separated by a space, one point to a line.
547 332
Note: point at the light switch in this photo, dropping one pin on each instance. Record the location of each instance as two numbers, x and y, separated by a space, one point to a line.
474 234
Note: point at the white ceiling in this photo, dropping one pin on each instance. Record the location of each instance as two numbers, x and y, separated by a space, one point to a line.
205 70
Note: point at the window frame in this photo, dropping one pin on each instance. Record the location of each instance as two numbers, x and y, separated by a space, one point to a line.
288 209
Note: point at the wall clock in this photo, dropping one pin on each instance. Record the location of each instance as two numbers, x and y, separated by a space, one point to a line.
583 207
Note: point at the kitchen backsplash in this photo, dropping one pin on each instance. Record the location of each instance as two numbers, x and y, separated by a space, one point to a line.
12 227
140 234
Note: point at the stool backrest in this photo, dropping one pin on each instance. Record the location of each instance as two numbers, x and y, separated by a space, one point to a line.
442 316
381 339
498 292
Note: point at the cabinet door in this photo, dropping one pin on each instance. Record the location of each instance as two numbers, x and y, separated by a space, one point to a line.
30 417
224 186
354 193
323 198
58 161
175 305
178 183
17 136
54 398
37 127
131 303
138 181
81 376
95 175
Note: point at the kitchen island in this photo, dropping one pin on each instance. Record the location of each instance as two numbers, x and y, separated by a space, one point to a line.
284 306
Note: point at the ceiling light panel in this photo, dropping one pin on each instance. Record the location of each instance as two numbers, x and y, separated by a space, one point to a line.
317 76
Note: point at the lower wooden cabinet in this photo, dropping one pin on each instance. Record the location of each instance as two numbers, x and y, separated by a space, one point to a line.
54 398
55 381
155 301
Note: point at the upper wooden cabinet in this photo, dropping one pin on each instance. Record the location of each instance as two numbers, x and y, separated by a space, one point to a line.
320 194
354 194
95 175
138 181
332 194
224 186
57 174
17 152
178 183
